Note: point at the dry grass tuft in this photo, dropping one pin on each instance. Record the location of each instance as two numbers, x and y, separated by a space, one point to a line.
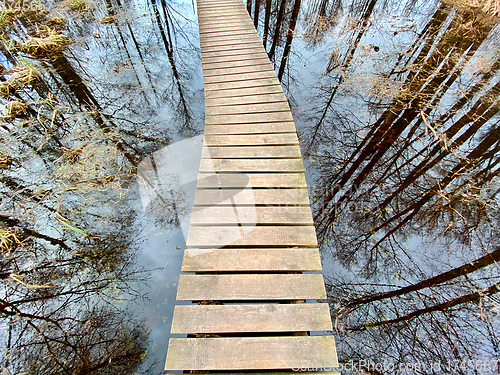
8 242
14 108
489 7
20 76
108 20
57 23
7 17
52 43
78 6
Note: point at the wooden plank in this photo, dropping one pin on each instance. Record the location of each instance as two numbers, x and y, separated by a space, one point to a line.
238 260
255 180
236 57
238 70
296 197
245 118
251 318
210 9
237 14
244 44
223 40
274 127
247 108
252 91
275 215
235 28
219 43
253 152
224 21
248 353
252 139
219 34
248 99
242 51
242 54
249 287
229 49
245 84
207 67
265 236
251 165
240 76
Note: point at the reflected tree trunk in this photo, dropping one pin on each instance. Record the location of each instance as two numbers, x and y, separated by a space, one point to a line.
277 29
266 23
363 25
256 14
289 38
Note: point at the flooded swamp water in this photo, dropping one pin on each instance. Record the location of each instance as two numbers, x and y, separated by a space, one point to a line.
396 105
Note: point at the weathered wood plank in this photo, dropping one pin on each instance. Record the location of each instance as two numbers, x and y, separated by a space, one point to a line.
238 260
265 236
251 215
247 108
209 7
224 40
239 77
251 318
237 14
246 118
238 70
248 353
228 48
251 165
248 99
230 58
250 152
218 43
252 139
248 287
219 34
223 21
255 180
224 55
235 28
273 197
245 84
273 89
256 128
208 67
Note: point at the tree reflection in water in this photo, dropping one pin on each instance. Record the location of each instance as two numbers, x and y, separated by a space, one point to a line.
401 130
80 115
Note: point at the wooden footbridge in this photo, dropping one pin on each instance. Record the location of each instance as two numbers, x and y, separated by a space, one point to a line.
251 267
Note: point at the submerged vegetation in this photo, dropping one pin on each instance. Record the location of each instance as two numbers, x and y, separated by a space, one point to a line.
70 144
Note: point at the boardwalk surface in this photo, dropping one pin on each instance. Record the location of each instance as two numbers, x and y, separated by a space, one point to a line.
251 267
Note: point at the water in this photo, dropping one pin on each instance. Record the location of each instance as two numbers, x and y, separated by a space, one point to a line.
396 104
